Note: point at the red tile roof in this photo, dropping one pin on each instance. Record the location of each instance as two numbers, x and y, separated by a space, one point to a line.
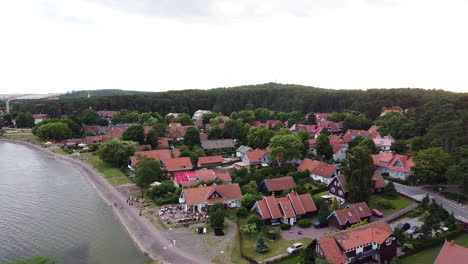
175 164
286 207
335 127
353 214
280 184
255 155
189 183
202 194
362 209
452 253
389 160
177 130
40 116
158 155
206 175
317 167
183 176
352 133
107 114
210 160
163 142
224 176
336 147
309 128
333 246
321 116
379 181
391 111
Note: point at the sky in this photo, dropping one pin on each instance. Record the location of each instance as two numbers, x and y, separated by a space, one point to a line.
53 46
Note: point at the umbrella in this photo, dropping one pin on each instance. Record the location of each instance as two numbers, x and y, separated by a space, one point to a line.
48 143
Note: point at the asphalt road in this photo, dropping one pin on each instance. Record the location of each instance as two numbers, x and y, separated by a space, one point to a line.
460 211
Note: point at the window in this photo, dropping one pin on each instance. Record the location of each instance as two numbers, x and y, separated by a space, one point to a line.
340 192
333 189
389 241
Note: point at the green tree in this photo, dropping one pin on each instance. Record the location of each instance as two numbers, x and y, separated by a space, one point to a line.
417 144
248 116
56 131
215 133
286 147
217 218
323 213
450 223
307 256
152 139
431 165
248 200
390 191
358 168
116 152
249 229
135 133
262 114
400 146
147 171
322 261
90 117
335 205
259 137
251 187
24 120
234 129
184 119
370 145
192 137
261 247
160 129
311 119
324 148
256 220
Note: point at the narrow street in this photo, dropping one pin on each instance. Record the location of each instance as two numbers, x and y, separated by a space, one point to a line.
460 211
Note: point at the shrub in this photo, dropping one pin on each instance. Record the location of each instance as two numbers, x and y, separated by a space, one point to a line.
285 226
242 212
303 223
384 204
415 212
254 219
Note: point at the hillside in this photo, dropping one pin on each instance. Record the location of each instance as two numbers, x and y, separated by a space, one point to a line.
96 93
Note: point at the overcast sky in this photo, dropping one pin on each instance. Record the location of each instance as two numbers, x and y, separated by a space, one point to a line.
157 45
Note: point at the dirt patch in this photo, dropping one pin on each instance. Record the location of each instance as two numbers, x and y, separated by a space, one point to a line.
129 188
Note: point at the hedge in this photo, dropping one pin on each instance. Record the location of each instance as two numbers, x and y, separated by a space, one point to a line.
304 223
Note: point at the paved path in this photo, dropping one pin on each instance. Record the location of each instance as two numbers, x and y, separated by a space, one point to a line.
146 237
460 211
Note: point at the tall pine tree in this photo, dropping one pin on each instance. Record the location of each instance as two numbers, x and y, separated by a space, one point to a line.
359 169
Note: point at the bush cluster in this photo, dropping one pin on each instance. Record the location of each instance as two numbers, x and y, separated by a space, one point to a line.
285 226
303 223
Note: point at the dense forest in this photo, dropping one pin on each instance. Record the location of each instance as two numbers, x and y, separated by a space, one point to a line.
277 97
94 93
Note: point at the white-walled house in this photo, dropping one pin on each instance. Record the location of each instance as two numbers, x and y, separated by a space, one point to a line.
199 198
319 171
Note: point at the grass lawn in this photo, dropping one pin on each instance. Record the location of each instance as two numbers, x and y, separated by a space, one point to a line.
113 175
319 195
399 203
59 151
430 254
294 260
276 247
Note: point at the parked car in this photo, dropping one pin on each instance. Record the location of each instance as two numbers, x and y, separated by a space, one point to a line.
402 226
376 213
320 224
412 230
294 247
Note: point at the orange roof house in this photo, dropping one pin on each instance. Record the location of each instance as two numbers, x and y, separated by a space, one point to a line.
352 214
319 171
395 165
177 164
451 253
210 161
277 185
259 157
362 244
197 199
287 209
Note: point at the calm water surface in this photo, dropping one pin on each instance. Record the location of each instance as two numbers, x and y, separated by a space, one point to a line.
48 208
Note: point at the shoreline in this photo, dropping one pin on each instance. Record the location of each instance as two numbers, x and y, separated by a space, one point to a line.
141 231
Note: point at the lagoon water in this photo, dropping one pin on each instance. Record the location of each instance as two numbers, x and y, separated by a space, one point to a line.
48 208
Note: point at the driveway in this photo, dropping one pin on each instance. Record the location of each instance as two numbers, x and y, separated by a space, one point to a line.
310 232
411 221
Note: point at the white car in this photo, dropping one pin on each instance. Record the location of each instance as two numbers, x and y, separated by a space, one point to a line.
294 247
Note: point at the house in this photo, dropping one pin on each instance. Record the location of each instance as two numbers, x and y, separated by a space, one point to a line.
277 185
314 130
163 143
275 210
190 178
319 117
177 131
312 146
337 186
257 158
388 111
96 130
319 171
332 127
339 151
352 214
177 164
107 115
95 139
199 198
270 124
242 150
374 242
379 182
223 144
40 117
199 114
371 133
210 161
384 144
451 253
395 165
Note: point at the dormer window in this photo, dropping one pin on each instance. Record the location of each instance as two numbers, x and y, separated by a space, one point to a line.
349 213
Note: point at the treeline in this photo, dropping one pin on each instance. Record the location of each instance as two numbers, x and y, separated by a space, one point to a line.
93 93
277 97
